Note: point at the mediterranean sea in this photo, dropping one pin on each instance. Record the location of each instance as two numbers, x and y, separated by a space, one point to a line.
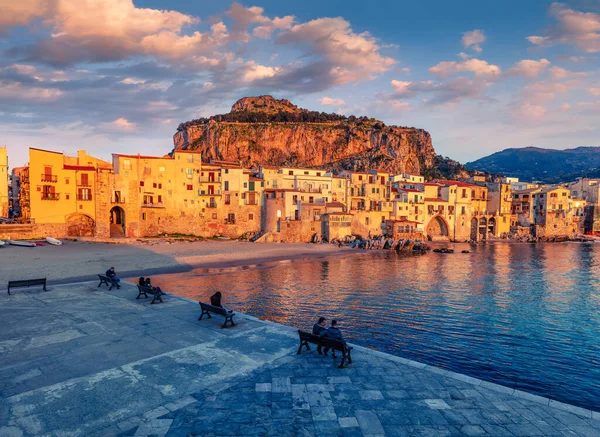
525 316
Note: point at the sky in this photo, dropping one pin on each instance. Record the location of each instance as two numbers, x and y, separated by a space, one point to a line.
118 76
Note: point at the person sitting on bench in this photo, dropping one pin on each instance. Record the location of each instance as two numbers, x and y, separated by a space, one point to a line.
110 273
317 329
332 333
149 285
142 281
215 299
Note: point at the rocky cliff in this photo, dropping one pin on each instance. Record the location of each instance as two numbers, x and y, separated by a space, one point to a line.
263 130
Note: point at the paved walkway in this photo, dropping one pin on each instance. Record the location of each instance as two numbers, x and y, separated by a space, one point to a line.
79 361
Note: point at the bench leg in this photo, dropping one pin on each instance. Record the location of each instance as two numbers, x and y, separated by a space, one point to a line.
228 320
9 291
204 312
341 366
302 343
101 282
349 356
45 286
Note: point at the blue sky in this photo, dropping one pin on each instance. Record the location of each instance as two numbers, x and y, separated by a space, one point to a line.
119 76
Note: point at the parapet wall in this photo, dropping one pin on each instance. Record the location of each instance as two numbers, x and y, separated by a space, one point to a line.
33 231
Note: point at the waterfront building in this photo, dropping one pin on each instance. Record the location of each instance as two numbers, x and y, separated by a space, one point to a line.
553 212
4 197
522 206
588 190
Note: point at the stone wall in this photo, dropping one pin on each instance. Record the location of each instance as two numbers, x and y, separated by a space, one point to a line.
33 231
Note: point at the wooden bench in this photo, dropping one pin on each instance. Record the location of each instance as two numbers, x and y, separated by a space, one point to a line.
26 283
108 281
207 309
307 337
150 290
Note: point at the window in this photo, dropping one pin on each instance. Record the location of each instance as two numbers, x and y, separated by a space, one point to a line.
214 216
250 217
159 199
464 193
295 199
189 187
67 196
226 185
126 164
143 216
84 179
360 178
318 173
154 185
226 171
161 169
169 193
450 209
367 221
190 159
189 172
159 186
227 199
66 181
84 194
141 183
291 173
462 210
245 184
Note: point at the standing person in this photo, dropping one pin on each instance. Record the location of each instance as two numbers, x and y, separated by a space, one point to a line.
110 273
333 333
317 329
215 299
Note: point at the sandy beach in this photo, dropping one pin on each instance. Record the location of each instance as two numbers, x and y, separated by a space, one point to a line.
75 261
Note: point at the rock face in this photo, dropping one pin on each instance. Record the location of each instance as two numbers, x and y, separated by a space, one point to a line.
263 130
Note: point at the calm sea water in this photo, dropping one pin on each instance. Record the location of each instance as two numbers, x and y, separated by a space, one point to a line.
521 315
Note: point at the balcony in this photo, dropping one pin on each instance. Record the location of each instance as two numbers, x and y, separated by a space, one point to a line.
153 205
251 202
84 198
211 205
49 178
120 200
207 179
50 196
82 184
214 193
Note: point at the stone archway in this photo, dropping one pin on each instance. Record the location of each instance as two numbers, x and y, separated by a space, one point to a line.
482 228
117 222
492 226
437 227
80 225
474 233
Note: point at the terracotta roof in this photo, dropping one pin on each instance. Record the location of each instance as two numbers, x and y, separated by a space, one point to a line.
335 204
434 199
457 183
255 179
432 184
79 167
142 156
187 151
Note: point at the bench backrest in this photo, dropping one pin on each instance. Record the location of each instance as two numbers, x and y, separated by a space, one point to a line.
327 342
145 289
40 281
213 309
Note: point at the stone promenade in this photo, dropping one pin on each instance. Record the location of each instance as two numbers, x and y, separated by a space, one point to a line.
83 361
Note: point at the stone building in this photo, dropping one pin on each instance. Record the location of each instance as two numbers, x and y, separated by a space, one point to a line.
4 197
588 190
553 213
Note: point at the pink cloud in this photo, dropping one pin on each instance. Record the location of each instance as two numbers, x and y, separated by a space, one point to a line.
528 68
477 66
328 101
473 39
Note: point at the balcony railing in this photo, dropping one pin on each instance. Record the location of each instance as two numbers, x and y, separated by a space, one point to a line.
251 202
80 197
50 196
211 205
216 180
119 200
208 193
49 178
81 184
153 205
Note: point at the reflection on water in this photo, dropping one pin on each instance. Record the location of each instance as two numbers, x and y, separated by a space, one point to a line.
525 316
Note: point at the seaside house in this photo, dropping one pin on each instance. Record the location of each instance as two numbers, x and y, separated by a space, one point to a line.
4 198
552 212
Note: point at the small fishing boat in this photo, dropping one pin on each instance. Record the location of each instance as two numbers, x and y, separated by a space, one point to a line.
21 243
2 243
53 241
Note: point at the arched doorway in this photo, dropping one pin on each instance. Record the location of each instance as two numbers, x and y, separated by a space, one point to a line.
80 225
482 228
117 222
474 234
492 226
437 227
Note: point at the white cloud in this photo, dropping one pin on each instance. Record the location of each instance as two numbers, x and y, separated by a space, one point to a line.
473 39
559 73
254 72
528 68
400 87
328 101
477 66
594 91
347 56
581 29
123 124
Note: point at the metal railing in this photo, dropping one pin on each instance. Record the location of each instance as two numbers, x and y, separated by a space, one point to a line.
50 196
153 205
49 178
82 197
118 201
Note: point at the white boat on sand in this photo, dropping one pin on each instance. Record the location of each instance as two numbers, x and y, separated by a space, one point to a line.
21 243
2 243
53 241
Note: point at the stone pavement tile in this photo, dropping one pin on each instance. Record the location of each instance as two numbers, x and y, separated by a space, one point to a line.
437 404
327 427
370 395
472 430
427 417
281 385
263 387
320 387
395 394
393 418
339 380
454 417
344 409
319 399
352 432
347 422
154 427
369 423
524 429
586 431
323 414
497 430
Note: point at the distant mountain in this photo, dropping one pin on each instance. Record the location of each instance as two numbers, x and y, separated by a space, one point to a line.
544 165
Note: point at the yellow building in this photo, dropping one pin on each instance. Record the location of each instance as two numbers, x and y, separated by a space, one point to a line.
59 189
3 182
553 212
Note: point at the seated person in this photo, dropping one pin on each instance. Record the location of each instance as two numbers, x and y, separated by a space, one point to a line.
318 328
215 299
332 333
156 289
142 282
110 273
